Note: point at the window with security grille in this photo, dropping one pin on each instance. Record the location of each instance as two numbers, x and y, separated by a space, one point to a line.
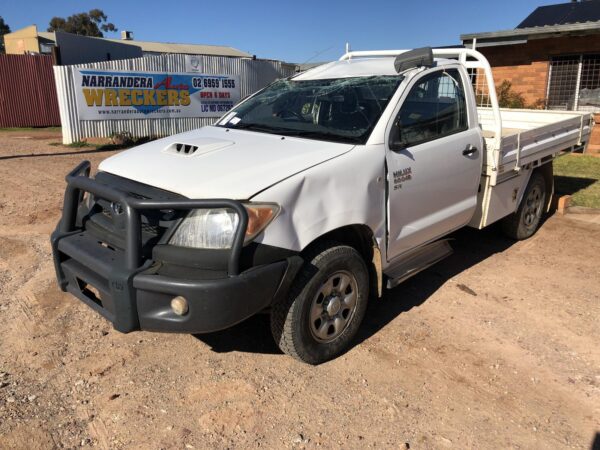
574 83
589 89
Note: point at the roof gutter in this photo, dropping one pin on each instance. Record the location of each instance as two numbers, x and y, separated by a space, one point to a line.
523 35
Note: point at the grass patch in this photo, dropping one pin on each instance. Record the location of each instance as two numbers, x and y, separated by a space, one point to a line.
108 146
79 144
578 176
112 147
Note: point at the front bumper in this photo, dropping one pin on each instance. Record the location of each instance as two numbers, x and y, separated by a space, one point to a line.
131 292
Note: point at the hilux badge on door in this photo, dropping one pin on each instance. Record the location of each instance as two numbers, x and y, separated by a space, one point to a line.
401 176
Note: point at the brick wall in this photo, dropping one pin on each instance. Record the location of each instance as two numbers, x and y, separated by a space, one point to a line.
530 80
526 65
594 146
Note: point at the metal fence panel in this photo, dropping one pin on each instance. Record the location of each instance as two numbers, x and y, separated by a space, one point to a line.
27 92
254 75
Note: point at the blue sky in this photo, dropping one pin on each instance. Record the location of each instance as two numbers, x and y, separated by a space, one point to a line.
296 31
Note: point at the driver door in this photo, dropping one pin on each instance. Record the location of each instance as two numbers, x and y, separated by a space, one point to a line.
434 161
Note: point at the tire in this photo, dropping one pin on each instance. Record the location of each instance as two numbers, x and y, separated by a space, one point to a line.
326 305
525 221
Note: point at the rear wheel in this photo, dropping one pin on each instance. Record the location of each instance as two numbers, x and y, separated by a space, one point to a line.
326 305
525 221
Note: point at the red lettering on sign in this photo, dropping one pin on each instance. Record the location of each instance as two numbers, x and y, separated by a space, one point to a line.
166 83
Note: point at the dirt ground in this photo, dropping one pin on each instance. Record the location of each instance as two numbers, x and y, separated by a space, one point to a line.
495 347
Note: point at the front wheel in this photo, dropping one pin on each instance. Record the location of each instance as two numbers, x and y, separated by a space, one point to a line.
326 306
526 220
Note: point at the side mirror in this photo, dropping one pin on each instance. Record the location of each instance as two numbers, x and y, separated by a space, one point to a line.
397 143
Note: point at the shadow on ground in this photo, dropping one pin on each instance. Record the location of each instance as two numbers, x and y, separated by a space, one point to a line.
250 336
105 148
596 443
571 185
470 247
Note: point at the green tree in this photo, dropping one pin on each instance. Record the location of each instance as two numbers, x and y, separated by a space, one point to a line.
91 23
4 29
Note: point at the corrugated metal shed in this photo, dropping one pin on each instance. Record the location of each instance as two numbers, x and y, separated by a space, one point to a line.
188 49
27 92
254 75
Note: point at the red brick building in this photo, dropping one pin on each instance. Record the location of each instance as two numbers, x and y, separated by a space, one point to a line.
552 58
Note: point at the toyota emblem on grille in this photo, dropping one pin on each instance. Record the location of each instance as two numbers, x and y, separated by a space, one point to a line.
116 208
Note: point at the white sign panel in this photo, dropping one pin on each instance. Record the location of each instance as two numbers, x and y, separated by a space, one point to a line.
104 94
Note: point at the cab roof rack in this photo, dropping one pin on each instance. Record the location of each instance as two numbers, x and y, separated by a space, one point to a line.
471 59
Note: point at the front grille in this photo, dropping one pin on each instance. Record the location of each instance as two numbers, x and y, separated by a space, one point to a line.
105 221
152 229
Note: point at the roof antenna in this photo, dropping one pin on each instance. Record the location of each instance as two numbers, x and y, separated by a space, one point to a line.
317 54
348 49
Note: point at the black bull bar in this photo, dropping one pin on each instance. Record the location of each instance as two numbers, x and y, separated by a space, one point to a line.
78 182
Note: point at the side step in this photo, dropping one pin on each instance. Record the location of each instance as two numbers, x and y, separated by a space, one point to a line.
417 260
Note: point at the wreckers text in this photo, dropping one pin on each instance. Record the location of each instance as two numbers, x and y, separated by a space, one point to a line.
136 97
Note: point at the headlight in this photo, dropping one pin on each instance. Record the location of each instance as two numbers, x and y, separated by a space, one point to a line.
215 228
206 228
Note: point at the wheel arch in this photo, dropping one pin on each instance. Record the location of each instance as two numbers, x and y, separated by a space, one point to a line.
515 225
362 239
547 171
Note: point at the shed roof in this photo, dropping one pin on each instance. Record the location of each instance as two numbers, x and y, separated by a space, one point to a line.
565 19
154 47
562 14
190 49
539 32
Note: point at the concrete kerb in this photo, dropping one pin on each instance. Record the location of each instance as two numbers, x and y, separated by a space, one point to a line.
560 203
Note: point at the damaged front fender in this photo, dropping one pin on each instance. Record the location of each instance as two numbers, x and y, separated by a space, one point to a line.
346 190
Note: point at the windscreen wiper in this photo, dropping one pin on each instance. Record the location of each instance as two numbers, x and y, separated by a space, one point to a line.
324 135
254 127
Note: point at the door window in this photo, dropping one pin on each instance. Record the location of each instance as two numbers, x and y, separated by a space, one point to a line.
435 107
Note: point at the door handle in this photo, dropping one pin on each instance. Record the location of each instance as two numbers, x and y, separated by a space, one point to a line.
469 150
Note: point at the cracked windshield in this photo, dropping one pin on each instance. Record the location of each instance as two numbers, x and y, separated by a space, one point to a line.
339 110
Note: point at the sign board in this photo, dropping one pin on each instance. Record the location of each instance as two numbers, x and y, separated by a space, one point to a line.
105 95
193 63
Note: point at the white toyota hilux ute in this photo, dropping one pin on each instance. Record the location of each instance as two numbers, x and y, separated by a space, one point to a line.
308 198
